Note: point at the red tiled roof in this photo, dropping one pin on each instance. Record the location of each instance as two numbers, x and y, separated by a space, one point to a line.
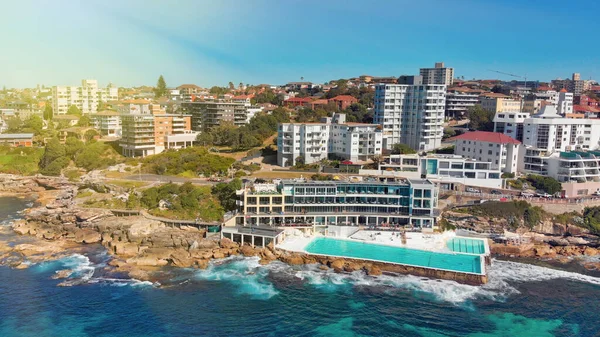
494 95
563 90
595 88
544 88
344 98
485 136
584 108
298 99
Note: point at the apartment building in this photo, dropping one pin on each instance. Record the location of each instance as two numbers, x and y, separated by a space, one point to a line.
459 100
208 114
148 134
498 149
437 75
495 102
333 138
564 102
548 133
411 114
187 92
444 170
85 97
133 106
322 203
107 122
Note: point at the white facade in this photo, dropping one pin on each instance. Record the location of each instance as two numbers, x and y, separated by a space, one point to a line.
438 75
441 169
331 138
510 124
411 114
501 151
86 97
458 102
547 133
108 123
564 103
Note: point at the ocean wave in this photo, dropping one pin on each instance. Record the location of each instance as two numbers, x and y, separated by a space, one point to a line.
245 273
521 272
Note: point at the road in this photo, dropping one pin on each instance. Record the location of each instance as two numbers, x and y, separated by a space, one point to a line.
166 179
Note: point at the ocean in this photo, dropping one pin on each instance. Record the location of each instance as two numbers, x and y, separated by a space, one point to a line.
238 297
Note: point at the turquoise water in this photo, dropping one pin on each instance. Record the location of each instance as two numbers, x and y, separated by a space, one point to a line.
413 257
463 245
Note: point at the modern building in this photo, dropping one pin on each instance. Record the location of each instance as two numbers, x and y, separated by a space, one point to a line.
411 114
564 102
459 100
208 114
86 97
107 122
498 149
445 170
548 133
17 139
144 135
333 138
322 203
495 102
438 75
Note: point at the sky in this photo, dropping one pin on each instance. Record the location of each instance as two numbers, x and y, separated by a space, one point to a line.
131 42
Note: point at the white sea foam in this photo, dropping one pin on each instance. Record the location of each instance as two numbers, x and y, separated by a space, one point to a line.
82 267
245 273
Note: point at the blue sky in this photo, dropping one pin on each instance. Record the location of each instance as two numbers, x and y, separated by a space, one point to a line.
275 41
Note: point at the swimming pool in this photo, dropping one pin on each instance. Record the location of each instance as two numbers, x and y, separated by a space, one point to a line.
411 257
464 245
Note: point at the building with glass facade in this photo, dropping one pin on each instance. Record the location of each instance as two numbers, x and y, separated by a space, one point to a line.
322 203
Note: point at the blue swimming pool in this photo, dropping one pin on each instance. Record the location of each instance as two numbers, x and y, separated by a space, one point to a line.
412 257
464 245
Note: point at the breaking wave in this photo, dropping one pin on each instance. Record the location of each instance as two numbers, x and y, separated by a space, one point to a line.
245 273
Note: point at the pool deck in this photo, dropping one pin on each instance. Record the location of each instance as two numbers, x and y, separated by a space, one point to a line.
417 241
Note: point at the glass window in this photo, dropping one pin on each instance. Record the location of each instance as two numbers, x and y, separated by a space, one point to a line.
418 193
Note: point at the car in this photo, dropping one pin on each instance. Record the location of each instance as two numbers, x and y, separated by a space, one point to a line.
495 192
543 195
472 190
597 193
526 194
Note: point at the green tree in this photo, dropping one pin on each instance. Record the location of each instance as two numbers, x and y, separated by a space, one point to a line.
448 132
548 184
14 124
225 192
161 87
205 139
231 86
480 119
34 123
90 135
532 216
84 121
73 110
133 201
48 112
402 149
54 158
73 146
101 106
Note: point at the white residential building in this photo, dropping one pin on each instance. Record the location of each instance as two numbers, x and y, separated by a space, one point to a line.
438 75
133 106
411 114
458 101
86 97
443 169
548 133
108 123
564 102
498 149
332 138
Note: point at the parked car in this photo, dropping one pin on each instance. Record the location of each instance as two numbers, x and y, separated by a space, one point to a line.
473 190
526 194
543 195
495 192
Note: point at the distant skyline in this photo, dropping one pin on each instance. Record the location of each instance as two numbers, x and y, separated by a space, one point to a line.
131 43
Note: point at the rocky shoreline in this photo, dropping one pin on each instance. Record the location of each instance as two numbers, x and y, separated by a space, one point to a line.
140 247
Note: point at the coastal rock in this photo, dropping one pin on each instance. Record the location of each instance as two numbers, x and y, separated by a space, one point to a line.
545 251
87 236
125 248
337 265
60 274
218 254
352 266
589 251
148 261
227 243
181 258
372 270
202 264
293 259
247 251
